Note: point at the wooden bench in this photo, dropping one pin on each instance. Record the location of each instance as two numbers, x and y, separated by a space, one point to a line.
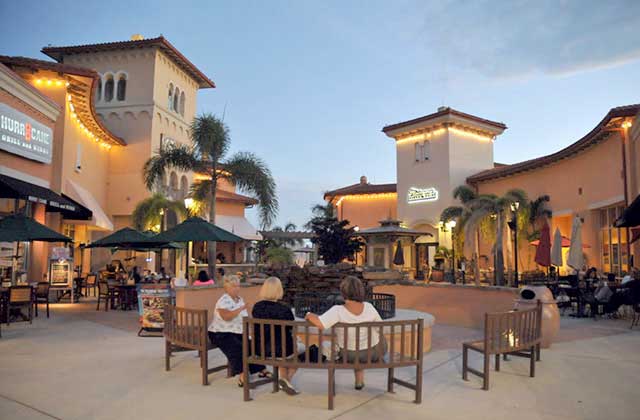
186 330
514 332
404 349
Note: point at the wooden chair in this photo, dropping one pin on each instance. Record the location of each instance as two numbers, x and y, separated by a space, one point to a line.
20 297
42 295
107 294
515 332
186 330
91 282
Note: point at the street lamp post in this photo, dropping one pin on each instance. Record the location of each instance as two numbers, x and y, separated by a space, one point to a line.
449 226
514 209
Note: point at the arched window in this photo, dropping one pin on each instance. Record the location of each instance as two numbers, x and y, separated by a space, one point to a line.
184 186
108 89
182 99
173 183
99 90
176 99
122 88
170 96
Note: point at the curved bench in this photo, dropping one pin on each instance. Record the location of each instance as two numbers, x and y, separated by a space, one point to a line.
405 348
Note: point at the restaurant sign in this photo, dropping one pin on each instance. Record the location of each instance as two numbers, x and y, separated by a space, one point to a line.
420 195
24 136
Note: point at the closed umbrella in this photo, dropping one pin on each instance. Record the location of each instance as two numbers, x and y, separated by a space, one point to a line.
543 251
556 249
398 258
576 257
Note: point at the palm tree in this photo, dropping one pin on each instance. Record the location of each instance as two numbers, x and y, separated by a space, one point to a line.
151 213
208 155
320 211
476 210
289 227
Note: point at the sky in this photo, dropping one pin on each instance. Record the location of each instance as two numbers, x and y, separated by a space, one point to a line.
308 85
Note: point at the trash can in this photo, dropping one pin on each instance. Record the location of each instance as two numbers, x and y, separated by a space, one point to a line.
529 296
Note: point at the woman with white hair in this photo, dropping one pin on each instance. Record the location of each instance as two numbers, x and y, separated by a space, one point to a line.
270 307
226 329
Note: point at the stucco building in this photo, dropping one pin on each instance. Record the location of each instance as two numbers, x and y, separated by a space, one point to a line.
595 178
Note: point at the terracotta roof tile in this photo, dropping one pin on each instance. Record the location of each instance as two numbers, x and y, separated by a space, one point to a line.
230 196
593 137
362 188
47 65
441 113
58 53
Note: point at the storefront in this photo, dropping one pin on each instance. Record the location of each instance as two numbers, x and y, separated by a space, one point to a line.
436 153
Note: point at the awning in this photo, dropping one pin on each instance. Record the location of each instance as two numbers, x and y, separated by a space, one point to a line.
631 215
15 188
81 195
240 226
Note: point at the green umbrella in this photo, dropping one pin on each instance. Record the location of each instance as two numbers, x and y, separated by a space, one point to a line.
196 229
131 239
19 228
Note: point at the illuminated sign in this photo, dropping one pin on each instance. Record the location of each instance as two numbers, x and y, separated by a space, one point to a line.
421 195
24 136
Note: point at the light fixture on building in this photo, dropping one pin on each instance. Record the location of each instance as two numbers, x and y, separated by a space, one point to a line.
52 82
188 202
627 124
356 228
515 206
82 127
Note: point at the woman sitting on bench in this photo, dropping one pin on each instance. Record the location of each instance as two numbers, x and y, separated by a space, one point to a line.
226 329
355 310
270 307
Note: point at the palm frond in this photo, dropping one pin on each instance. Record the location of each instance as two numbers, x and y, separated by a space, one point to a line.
464 193
251 174
178 156
210 137
451 213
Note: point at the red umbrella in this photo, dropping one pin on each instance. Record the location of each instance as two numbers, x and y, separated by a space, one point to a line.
543 251
566 243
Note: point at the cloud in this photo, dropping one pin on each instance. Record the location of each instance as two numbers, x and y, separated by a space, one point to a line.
521 38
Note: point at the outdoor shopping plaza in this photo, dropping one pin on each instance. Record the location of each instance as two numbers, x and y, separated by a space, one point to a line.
144 274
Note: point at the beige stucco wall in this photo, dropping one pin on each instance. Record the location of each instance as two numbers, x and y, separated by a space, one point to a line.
596 171
368 212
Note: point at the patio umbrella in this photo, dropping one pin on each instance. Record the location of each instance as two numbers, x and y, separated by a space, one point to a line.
556 249
398 258
20 228
543 251
576 258
120 239
565 242
196 229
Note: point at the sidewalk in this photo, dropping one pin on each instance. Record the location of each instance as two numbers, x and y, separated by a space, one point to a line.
71 367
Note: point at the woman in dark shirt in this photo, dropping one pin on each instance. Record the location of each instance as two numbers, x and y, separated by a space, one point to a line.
269 307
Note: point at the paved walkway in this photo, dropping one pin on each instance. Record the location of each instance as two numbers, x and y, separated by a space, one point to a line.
82 364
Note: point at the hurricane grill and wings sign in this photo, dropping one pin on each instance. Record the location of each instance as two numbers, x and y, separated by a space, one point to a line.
24 136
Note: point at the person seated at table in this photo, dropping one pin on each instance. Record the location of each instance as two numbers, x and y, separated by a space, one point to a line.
355 310
220 258
135 275
220 271
203 279
270 307
163 276
225 330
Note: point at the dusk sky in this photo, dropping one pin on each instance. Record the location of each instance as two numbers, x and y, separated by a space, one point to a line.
308 85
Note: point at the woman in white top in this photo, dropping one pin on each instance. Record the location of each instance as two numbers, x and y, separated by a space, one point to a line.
354 311
225 330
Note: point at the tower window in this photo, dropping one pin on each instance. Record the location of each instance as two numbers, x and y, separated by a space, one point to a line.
122 88
108 89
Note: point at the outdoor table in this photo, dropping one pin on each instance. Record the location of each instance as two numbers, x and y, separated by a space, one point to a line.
127 296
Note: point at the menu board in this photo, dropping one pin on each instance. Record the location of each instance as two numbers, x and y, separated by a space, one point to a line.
151 302
60 272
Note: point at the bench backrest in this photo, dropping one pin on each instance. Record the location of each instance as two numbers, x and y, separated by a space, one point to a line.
404 343
513 330
186 327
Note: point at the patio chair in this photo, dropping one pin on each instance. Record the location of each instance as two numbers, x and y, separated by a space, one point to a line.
106 293
20 297
42 295
90 284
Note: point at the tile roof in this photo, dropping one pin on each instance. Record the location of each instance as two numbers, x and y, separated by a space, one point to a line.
440 113
593 137
81 92
58 53
362 188
239 198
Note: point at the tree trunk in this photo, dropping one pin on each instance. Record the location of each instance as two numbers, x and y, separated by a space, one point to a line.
476 254
499 260
211 246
